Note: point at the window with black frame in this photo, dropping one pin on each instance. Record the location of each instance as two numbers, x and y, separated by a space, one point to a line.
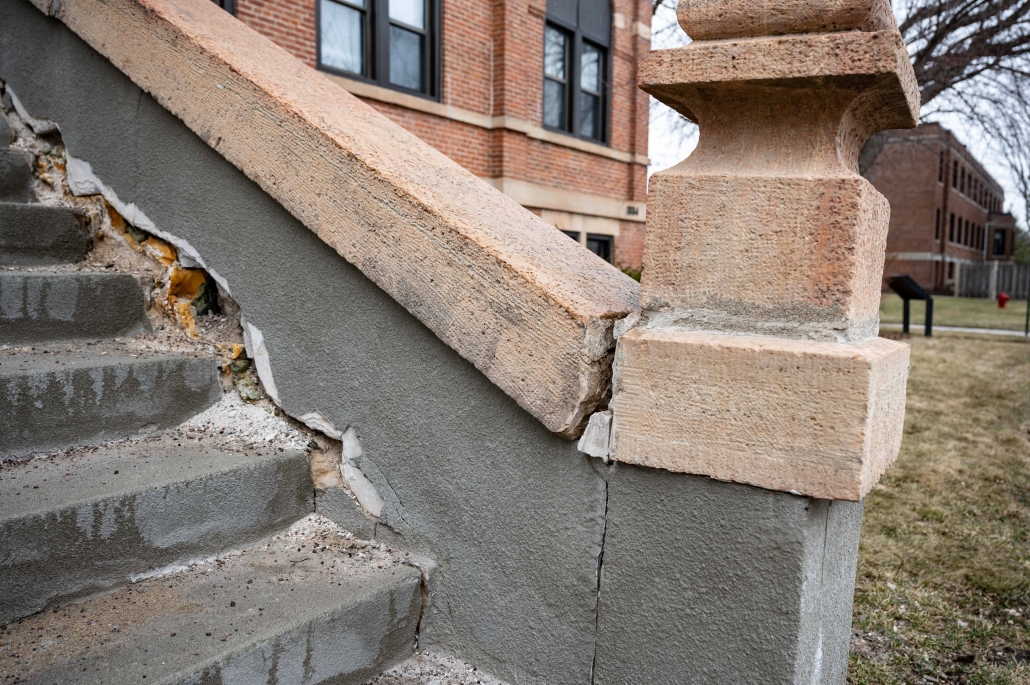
577 36
389 42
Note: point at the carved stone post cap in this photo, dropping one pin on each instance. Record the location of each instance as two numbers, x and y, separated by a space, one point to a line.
713 19
855 61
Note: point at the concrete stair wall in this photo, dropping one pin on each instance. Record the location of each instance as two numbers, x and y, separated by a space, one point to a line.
99 580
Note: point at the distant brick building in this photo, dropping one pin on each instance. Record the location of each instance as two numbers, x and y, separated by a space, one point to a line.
537 97
946 209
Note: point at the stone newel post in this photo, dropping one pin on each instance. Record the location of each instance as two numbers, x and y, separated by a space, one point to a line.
755 359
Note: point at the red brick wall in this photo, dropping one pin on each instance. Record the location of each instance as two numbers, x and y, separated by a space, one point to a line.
907 173
289 23
492 63
629 246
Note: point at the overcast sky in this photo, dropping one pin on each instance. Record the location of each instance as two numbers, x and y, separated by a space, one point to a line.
671 140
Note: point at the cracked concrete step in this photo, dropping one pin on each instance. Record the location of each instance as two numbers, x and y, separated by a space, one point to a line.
51 399
37 307
284 613
84 522
37 235
15 175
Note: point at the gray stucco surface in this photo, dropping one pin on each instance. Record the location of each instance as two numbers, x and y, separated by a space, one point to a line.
50 306
723 583
513 516
37 235
70 527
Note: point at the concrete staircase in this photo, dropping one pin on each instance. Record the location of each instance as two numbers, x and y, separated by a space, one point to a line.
99 579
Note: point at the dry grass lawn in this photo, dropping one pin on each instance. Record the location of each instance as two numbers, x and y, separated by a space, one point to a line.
943 591
966 312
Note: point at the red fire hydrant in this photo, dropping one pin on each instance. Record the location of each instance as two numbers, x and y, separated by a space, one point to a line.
1002 299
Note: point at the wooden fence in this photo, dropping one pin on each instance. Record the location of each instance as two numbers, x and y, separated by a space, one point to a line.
990 278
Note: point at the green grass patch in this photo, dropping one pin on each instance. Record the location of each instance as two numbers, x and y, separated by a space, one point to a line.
958 311
943 587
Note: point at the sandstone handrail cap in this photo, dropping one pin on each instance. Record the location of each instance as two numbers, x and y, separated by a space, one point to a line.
715 19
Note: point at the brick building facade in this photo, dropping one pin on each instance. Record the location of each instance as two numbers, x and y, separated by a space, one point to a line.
564 136
946 209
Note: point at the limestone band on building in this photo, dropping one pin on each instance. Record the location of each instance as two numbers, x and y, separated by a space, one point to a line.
538 98
946 209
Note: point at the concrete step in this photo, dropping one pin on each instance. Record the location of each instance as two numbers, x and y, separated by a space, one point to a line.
39 307
55 398
36 235
77 524
284 613
15 175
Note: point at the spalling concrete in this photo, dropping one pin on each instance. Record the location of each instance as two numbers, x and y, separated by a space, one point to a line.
52 401
6 135
39 307
281 612
75 525
513 515
36 235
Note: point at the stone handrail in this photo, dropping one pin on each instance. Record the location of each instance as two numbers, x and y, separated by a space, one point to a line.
505 290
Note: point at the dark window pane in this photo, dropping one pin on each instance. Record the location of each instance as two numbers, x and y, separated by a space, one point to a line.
600 245
555 49
590 69
410 12
406 59
572 234
999 243
590 116
343 36
554 103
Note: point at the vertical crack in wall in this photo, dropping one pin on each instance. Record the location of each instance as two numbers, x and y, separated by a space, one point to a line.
600 563
424 588
817 665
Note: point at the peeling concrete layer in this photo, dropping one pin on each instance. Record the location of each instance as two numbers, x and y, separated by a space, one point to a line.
497 284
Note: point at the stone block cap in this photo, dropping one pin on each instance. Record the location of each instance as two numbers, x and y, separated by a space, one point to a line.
817 419
715 19
504 289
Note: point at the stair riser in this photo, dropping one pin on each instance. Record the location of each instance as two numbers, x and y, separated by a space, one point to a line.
54 556
48 410
349 642
36 235
344 647
15 175
41 307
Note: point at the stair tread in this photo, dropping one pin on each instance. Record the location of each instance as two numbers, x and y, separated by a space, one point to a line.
18 361
268 614
40 485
